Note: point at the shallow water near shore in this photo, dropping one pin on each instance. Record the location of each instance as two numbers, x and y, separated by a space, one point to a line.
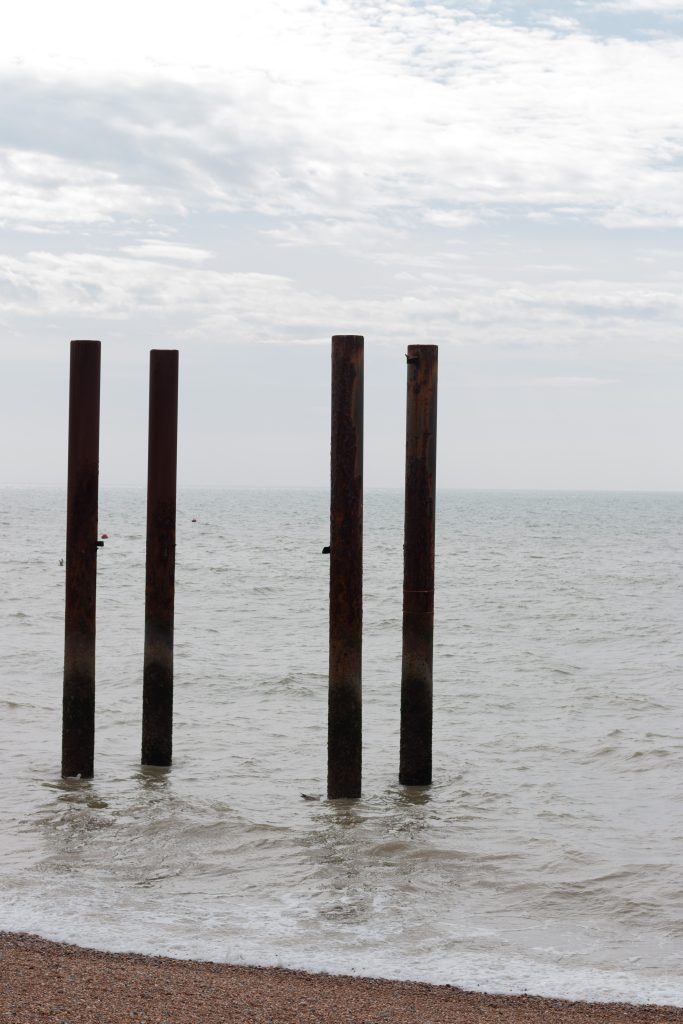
545 858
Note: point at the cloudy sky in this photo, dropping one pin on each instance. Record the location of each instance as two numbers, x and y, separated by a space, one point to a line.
241 181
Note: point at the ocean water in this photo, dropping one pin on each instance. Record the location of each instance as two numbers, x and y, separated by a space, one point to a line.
546 857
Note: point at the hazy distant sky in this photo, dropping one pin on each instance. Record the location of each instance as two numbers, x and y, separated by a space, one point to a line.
242 180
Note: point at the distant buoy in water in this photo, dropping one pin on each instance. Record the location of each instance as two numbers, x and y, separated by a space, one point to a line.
194 520
105 536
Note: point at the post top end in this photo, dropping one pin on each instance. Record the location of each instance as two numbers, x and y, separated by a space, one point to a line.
427 350
168 354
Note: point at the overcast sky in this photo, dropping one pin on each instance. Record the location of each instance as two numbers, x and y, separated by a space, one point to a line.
241 181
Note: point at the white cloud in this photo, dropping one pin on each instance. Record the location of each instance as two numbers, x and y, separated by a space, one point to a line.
359 110
656 6
153 249
450 305
451 218
40 190
568 24
506 185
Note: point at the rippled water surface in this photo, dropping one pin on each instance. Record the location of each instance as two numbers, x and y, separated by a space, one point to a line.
546 857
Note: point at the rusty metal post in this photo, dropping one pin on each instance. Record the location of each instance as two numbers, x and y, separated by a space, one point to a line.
157 688
418 567
78 708
344 747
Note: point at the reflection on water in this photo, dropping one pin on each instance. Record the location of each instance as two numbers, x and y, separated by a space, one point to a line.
153 777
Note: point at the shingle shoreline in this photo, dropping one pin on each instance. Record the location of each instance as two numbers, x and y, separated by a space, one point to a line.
52 982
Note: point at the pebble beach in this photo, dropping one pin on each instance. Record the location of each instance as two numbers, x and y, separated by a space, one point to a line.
44 981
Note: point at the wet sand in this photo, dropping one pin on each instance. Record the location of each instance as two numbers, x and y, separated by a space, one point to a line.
47 981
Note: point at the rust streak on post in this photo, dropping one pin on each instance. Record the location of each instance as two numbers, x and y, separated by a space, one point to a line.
78 715
418 577
157 690
344 752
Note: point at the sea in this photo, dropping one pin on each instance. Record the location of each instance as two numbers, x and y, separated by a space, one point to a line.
547 855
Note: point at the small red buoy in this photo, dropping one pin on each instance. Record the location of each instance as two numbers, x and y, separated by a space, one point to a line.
105 536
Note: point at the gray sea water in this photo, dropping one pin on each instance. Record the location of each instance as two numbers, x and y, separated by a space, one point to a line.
548 854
